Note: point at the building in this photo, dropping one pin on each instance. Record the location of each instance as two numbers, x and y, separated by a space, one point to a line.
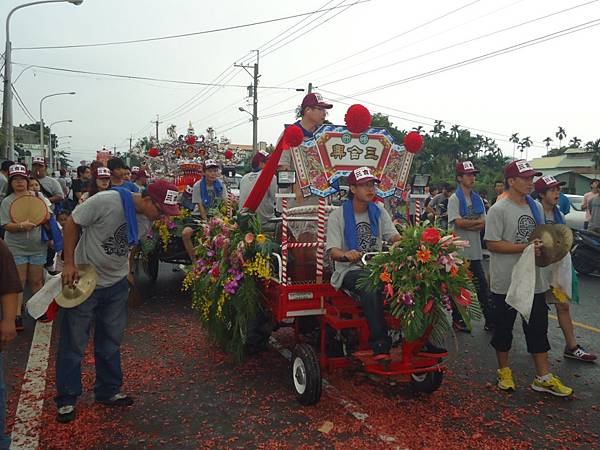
575 167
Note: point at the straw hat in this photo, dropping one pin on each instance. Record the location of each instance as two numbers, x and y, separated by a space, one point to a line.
29 208
557 239
71 297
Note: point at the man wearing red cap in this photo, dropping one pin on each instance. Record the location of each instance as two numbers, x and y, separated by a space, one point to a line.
266 208
466 216
509 225
50 187
101 232
140 179
312 113
360 226
548 190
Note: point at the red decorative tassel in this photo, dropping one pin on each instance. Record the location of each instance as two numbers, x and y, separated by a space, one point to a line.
413 142
358 119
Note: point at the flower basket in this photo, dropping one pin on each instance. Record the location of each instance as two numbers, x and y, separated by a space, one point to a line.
225 278
423 277
164 231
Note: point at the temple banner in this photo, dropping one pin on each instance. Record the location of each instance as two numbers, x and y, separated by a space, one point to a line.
334 152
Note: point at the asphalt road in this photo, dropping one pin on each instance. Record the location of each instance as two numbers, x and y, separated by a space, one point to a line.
189 395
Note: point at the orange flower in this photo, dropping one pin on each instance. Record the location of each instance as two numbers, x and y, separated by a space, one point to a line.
385 277
423 256
454 272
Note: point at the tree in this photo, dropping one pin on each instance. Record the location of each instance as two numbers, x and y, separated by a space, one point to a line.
454 130
547 141
560 134
438 127
514 138
419 128
594 148
526 142
575 142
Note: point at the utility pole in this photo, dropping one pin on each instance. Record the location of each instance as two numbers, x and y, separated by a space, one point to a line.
255 76
130 143
156 122
309 88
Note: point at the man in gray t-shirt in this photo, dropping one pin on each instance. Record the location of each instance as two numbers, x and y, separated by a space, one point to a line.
466 217
509 225
266 208
50 187
346 254
107 223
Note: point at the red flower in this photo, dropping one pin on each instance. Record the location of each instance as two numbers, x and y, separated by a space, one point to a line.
431 235
464 299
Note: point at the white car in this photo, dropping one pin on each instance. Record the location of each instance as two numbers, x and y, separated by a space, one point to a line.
576 216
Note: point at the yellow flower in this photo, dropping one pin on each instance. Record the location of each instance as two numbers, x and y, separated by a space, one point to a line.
261 238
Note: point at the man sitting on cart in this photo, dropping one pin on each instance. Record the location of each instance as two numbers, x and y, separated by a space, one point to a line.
266 209
207 195
360 226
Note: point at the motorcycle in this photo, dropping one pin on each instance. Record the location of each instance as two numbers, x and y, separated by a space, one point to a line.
585 252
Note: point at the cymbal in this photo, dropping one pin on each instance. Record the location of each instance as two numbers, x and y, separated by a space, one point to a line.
557 240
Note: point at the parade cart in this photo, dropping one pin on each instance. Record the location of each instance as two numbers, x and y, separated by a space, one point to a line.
299 291
247 283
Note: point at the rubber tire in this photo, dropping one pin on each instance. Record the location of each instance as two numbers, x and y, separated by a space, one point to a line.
308 374
427 383
583 262
151 263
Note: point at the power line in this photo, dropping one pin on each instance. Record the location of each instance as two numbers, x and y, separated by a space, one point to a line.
509 49
265 46
429 22
270 49
502 30
22 104
176 36
136 77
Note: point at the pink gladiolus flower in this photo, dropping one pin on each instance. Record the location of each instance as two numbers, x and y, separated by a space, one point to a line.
388 290
249 238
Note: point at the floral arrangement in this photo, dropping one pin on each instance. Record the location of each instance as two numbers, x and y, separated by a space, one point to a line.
164 230
224 280
423 277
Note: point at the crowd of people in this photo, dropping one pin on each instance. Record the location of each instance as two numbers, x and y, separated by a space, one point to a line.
95 219
87 225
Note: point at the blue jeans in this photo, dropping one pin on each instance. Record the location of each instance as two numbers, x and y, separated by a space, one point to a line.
4 438
107 309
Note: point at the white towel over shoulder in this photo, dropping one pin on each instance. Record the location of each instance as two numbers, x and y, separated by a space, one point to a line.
522 285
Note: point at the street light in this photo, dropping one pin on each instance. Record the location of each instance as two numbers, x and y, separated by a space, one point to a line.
50 150
42 124
7 116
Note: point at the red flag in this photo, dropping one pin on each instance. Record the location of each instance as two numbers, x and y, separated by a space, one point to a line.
292 137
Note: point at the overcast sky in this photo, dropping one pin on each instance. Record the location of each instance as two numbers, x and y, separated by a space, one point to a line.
530 91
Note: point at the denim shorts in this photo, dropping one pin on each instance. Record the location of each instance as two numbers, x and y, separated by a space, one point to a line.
34 260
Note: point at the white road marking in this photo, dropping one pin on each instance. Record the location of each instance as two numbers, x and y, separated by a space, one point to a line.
26 431
337 396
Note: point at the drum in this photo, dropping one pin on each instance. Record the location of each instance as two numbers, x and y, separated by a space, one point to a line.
29 208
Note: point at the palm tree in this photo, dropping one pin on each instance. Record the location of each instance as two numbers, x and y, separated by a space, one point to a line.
526 142
547 141
419 128
454 130
560 134
438 127
514 138
575 142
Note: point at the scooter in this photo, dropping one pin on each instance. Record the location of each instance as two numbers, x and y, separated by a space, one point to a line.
585 252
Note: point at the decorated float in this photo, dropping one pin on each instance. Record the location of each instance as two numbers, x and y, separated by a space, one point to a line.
246 282
180 159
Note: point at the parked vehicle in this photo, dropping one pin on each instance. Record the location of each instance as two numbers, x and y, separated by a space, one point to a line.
586 252
576 216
